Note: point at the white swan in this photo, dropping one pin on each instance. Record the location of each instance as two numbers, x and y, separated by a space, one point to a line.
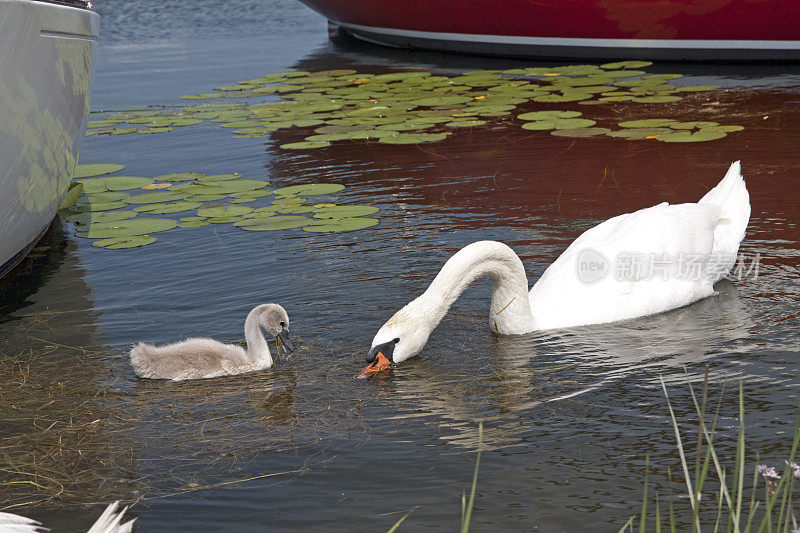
206 358
632 265
109 522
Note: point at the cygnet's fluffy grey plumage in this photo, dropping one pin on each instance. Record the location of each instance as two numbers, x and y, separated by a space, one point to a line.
206 358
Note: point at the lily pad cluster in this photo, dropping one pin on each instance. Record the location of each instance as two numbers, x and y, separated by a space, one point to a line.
396 108
119 210
569 124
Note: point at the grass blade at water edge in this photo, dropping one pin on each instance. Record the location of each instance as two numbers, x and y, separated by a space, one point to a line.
397 524
468 514
680 444
643 520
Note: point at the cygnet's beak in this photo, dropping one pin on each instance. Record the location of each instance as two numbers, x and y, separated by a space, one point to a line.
378 362
283 337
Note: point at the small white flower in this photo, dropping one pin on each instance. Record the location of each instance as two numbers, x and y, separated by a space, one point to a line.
768 472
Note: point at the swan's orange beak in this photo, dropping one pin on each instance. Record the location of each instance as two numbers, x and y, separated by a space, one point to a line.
380 364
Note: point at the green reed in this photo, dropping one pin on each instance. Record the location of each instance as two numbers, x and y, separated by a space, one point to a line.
725 503
466 505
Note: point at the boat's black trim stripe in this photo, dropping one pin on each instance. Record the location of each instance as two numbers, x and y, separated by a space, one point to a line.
68 35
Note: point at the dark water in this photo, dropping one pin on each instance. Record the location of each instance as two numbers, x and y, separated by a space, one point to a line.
569 416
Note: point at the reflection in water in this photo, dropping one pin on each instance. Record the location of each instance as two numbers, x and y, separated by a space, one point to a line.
527 371
61 441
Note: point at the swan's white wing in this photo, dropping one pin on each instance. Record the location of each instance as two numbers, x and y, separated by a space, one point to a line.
631 265
734 201
110 521
12 523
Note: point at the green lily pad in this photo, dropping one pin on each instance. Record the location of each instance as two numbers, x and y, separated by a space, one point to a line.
288 201
344 224
571 96
305 145
345 211
97 206
618 98
180 176
71 197
649 123
224 219
163 209
692 125
92 186
216 212
160 129
125 183
96 197
559 124
411 138
193 224
92 217
726 129
256 221
207 197
580 132
251 194
96 169
640 133
227 187
101 123
465 123
118 243
311 189
548 115
658 99
201 96
698 136
278 222
126 228
156 197
626 64
219 177
122 131
625 73
697 88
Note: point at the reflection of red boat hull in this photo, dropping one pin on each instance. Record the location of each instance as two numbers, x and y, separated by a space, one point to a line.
665 29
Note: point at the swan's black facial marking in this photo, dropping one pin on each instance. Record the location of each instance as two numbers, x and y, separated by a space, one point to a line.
386 349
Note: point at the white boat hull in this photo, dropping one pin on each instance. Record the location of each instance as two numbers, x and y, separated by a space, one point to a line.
45 67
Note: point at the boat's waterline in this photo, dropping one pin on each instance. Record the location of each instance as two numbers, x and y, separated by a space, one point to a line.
581 48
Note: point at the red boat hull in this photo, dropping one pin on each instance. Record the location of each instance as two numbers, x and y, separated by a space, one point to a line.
661 29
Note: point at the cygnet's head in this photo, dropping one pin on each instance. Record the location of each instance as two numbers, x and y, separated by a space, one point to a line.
274 320
402 336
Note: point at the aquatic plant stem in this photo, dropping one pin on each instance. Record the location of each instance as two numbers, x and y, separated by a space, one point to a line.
643 520
397 524
468 514
717 466
680 445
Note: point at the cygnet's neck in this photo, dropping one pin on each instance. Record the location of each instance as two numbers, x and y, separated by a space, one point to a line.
510 310
257 347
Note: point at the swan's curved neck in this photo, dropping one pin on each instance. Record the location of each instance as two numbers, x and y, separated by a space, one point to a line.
257 347
510 310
